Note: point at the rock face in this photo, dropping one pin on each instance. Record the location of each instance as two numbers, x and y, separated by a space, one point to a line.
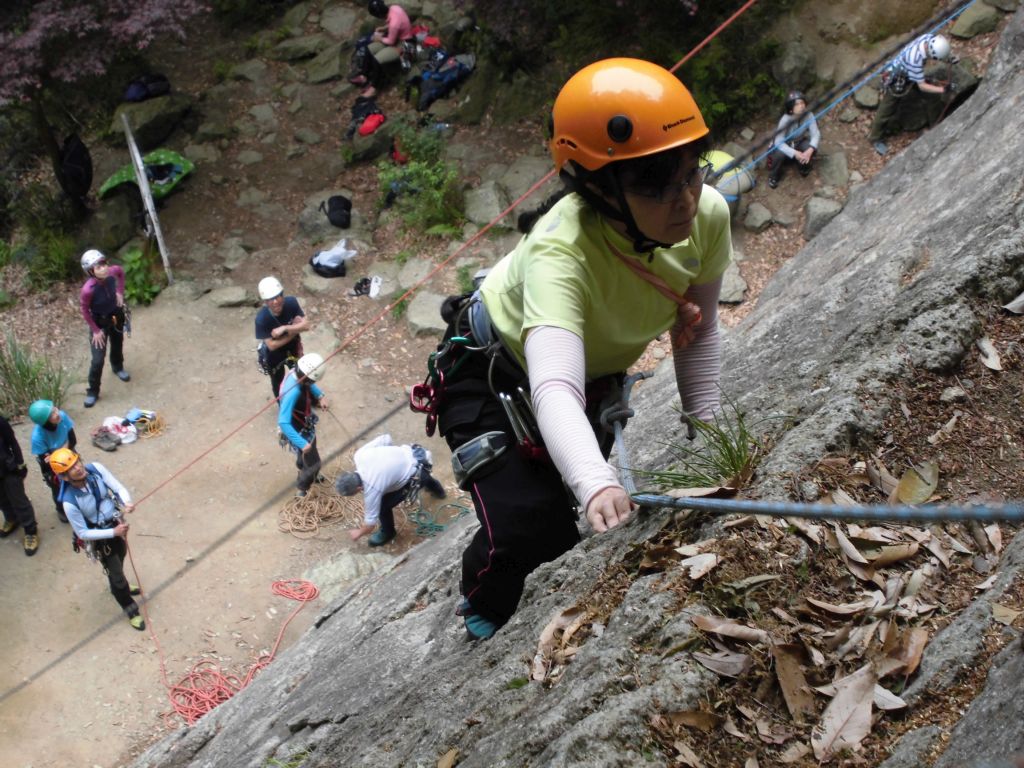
152 120
386 678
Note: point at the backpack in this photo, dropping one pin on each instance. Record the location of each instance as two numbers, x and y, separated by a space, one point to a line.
331 263
441 78
74 173
338 210
147 87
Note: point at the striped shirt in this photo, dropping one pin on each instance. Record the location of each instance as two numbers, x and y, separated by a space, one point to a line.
912 58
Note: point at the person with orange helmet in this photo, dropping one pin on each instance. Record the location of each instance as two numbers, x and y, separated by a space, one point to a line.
637 247
94 501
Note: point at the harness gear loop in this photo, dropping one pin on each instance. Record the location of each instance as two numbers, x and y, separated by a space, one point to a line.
616 414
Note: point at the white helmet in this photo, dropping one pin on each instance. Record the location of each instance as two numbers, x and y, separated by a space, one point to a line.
270 288
90 259
938 48
311 366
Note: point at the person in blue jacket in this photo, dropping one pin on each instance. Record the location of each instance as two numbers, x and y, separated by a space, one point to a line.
54 429
297 421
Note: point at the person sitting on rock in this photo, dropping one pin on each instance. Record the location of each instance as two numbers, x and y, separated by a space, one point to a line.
796 138
387 39
906 69
387 475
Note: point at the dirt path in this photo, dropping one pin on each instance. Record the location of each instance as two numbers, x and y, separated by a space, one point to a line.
79 687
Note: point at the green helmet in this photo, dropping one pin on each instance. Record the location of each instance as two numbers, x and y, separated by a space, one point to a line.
40 411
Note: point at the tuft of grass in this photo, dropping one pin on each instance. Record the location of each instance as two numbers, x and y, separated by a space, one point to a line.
465 279
402 257
516 683
28 377
140 287
725 452
50 257
292 761
221 70
399 309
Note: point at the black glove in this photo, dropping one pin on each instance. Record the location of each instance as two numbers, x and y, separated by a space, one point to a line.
22 471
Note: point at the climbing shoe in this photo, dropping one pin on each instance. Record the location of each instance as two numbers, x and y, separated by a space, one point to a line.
477 627
61 516
379 538
773 183
134 589
123 375
8 528
880 147
31 544
137 622
300 494
90 400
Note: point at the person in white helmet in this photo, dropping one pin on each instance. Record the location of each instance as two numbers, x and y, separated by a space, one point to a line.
905 70
102 303
297 421
279 325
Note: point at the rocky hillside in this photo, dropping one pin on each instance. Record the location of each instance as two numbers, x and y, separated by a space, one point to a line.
620 655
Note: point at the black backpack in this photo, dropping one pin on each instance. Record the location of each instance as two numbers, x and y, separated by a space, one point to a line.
338 209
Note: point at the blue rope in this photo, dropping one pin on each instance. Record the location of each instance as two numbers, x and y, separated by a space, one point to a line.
1012 512
426 521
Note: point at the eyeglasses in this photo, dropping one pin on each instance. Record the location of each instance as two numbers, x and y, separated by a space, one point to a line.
694 181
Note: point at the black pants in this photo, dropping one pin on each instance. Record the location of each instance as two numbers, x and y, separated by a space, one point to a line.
113 339
51 481
308 465
779 160
391 500
527 517
111 554
15 504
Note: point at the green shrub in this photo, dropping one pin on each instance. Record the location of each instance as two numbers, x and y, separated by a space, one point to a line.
221 70
28 377
51 257
140 285
465 279
428 194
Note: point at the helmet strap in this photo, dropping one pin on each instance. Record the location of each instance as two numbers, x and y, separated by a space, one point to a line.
578 183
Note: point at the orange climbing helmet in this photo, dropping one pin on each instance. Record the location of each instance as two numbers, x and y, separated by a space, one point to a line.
62 460
617 109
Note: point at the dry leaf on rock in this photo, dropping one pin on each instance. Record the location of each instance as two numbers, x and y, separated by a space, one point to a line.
729 629
790 675
794 753
893 554
847 609
847 548
918 483
1004 615
810 530
657 559
751 762
725 663
700 565
846 720
886 700
448 759
995 537
881 478
987 583
989 355
902 652
686 756
552 637
732 730
842 498
945 431
717 492
695 718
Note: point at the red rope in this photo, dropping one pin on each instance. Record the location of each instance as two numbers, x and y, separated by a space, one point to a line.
206 686
713 35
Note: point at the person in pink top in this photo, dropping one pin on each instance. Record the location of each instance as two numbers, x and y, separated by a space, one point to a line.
102 304
387 40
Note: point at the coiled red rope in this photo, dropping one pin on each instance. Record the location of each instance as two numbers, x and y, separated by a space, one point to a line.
207 686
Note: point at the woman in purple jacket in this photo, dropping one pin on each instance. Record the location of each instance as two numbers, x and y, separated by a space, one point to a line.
102 303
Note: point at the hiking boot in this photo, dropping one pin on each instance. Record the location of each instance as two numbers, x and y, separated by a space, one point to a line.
123 375
379 538
90 400
880 147
300 494
8 528
773 183
61 516
137 622
31 543
134 589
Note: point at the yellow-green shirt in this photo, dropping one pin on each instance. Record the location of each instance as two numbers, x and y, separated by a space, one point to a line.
563 274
